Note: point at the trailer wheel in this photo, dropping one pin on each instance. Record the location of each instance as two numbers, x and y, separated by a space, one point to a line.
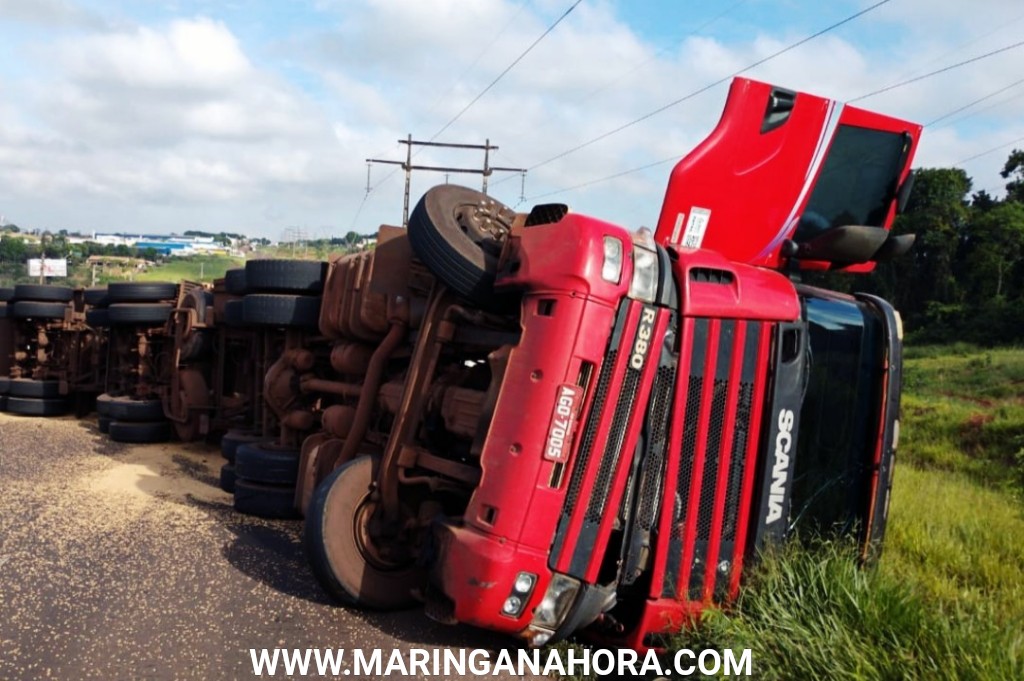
128 409
32 406
98 319
147 314
458 233
27 387
30 309
140 432
45 292
227 478
280 310
96 296
339 548
6 293
103 424
267 463
234 281
233 439
264 501
140 292
5 385
285 276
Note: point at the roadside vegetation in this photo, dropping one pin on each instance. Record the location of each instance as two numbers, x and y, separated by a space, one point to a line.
946 600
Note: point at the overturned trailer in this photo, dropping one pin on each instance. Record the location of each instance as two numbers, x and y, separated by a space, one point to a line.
544 423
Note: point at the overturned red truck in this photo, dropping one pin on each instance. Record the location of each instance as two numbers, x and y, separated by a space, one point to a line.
544 423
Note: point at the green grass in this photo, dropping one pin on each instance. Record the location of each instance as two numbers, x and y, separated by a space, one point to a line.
202 268
946 599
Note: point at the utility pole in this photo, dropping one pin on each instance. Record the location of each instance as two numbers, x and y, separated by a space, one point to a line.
408 167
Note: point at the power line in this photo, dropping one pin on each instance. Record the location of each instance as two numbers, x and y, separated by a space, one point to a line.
937 72
603 179
637 67
506 70
976 101
707 87
989 151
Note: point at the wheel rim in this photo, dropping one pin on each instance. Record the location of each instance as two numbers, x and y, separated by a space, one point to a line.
486 223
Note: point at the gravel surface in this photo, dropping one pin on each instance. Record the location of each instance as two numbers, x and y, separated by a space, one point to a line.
128 562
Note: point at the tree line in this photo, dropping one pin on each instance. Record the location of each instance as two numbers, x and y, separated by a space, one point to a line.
964 278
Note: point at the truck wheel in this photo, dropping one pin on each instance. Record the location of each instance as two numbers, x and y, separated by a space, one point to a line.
30 309
5 385
96 296
141 292
140 432
285 276
27 387
103 424
233 439
146 314
6 293
339 548
234 281
127 409
279 310
458 233
32 406
54 294
267 463
98 319
227 478
264 501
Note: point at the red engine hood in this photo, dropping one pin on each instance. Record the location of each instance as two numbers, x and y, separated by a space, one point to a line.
779 161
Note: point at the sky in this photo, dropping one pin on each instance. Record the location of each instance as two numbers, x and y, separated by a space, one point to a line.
257 117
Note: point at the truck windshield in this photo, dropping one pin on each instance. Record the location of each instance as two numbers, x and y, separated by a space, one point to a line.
839 417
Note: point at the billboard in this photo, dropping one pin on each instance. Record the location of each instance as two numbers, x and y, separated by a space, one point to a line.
51 267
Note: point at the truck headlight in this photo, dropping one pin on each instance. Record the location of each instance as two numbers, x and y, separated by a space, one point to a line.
644 285
521 590
611 270
556 602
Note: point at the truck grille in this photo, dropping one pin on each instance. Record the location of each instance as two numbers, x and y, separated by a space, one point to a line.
714 457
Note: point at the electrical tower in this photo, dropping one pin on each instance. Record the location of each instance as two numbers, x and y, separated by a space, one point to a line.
408 167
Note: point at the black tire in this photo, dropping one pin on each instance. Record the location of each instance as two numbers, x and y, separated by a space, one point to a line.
30 309
234 281
6 293
285 276
142 314
33 406
336 550
3 402
27 387
458 234
141 292
233 313
5 310
264 501
103 404
233 439
103 423
267 463
5 385
96 297
98 319
227 478
140 432
127 409
264 309
44 292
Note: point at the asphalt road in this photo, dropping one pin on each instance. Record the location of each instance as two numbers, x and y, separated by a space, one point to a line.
128 562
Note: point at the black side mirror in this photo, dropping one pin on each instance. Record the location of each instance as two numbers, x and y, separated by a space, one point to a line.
847 244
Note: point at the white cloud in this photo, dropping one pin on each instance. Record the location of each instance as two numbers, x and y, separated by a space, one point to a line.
198 119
